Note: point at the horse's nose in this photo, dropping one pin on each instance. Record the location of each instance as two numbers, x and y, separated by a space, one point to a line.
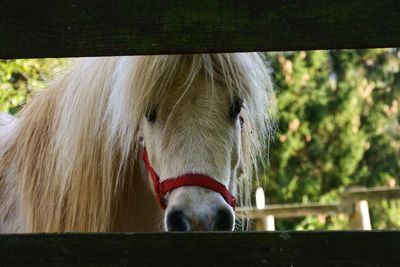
220 219
177 221
224 220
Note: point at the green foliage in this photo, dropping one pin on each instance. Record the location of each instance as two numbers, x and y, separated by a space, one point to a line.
338 126
20 78
385 214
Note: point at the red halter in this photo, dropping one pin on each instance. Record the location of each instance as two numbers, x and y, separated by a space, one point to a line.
187 179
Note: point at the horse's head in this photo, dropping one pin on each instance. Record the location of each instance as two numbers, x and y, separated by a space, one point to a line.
192 134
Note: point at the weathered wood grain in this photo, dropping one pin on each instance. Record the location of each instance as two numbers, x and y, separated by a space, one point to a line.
203 249
63 28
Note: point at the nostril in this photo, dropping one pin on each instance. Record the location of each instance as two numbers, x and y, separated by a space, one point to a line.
224 220
176 221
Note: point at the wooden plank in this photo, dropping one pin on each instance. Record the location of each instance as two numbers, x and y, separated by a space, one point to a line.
203 249
373 194
66 28
346 204
289 210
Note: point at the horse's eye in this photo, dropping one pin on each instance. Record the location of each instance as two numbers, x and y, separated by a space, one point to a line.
235 108
151 115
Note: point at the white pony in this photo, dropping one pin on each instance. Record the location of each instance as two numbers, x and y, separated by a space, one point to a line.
72 160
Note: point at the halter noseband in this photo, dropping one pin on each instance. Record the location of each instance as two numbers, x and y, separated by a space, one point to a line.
161 188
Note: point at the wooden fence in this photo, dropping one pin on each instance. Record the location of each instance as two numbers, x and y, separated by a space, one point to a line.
353 202
61 28
74 28
275 249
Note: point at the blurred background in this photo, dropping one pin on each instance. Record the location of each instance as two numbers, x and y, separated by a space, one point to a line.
338 129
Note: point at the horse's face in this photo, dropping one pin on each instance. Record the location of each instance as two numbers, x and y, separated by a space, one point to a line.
197 132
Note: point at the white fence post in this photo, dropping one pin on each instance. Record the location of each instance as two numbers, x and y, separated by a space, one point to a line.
359 219
265 223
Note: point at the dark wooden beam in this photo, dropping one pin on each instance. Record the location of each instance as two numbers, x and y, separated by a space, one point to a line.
203 249
71 28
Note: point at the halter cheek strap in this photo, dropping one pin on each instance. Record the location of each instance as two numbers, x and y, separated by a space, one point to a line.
161 188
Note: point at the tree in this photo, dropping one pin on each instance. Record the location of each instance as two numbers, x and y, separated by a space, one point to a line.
338 123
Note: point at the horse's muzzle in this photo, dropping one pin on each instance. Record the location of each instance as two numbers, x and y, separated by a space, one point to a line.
216 219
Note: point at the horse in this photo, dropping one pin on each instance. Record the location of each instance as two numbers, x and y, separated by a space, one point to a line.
138 143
